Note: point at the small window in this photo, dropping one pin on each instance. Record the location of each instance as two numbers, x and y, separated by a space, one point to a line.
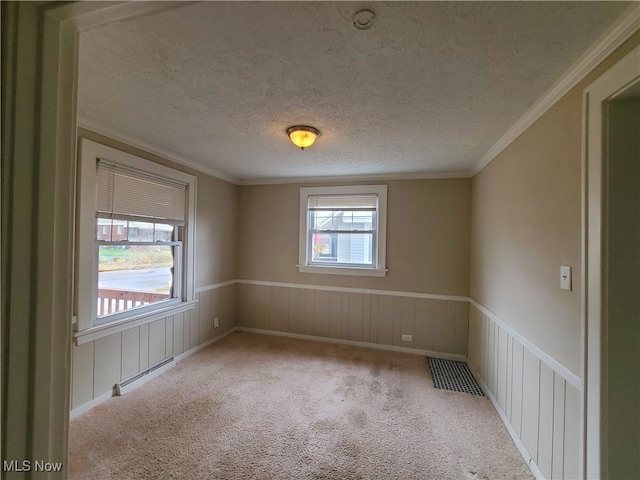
343 230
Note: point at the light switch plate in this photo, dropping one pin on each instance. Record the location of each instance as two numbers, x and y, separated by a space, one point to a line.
565 278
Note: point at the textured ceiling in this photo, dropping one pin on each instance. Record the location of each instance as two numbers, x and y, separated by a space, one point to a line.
430 87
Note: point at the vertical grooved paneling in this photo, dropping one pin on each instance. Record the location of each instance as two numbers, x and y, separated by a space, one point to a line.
302 297
279 313
408 320
366 318
144 347
502 368
83 357
168 338
335 314
344 316
204 316
309 313
157 333
450 339
385 320
374 318
322 313
461 329
557 460
545 422
530 403
294 295
193 327
107 366
571 432
243 304
354 325
440 326
423 326
286 310
178 333
186 331
397 322
491 351
516 392
130 353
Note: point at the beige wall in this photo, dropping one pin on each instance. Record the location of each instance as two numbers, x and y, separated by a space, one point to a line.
526 223
427 237
216 220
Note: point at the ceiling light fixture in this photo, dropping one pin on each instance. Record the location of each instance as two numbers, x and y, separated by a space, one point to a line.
303 136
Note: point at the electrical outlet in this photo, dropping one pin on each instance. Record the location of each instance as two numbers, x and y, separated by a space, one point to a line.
216 322
407 338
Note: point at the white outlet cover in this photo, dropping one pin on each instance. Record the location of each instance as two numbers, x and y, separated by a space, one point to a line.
407 338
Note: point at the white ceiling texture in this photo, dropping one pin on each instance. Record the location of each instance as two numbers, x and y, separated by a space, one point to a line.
427 89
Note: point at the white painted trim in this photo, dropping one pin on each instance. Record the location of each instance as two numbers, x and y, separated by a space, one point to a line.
99 331
357 178
554 364
141 144
188 353
619 32
350 271
85 407
150 376
434 296
595 285
375 346
214 286
514 436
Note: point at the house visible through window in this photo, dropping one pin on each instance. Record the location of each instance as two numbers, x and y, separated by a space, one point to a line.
343 230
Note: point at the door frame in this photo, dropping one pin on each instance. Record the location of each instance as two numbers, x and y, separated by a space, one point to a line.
39 99
594 283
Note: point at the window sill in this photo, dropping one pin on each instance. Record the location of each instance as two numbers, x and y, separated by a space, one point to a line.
353 271
99 331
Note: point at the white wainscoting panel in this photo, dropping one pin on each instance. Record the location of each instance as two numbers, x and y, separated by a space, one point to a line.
538 399
374 317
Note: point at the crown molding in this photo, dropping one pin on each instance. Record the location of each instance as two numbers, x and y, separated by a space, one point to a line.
357 178
619 32
136 142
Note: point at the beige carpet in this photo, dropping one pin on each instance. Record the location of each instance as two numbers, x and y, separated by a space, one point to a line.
263 407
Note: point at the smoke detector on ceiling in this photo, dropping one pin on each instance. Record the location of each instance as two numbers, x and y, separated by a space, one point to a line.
364 19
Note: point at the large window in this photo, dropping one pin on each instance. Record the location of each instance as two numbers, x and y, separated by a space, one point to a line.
342 230
135 238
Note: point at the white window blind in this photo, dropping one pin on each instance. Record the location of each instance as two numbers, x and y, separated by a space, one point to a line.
351 202
129 194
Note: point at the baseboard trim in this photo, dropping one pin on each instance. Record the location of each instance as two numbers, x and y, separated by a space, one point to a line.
514 436
353 343
85 407
215 339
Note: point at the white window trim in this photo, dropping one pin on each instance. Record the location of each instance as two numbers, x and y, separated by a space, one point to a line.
380 269
86 270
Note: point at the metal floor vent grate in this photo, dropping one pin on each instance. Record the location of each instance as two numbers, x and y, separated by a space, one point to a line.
455 376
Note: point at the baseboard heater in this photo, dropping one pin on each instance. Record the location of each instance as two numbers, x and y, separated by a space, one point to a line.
126 385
